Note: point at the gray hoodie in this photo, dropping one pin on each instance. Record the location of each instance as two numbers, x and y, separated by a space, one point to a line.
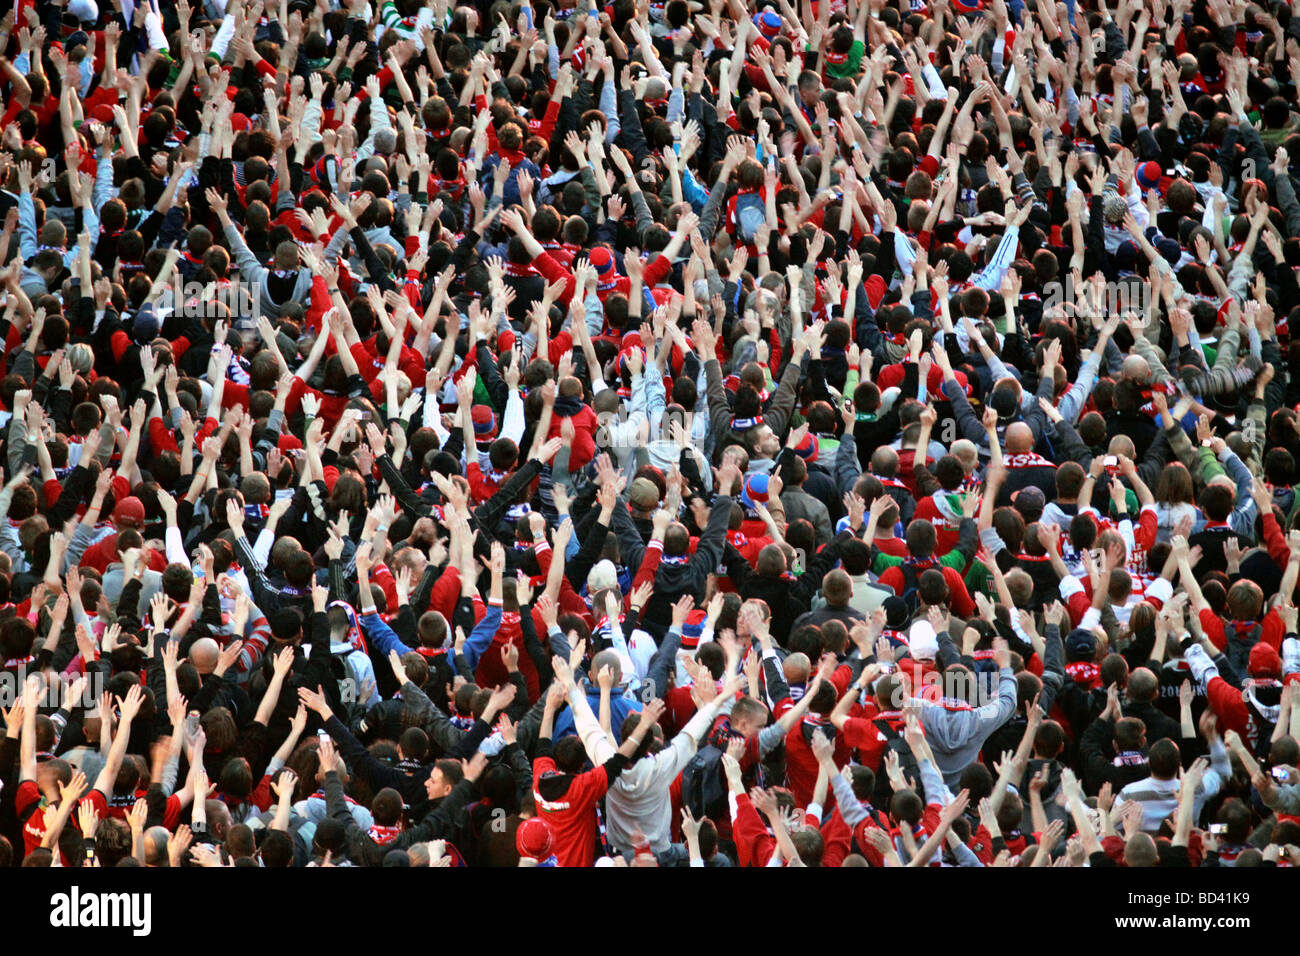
956 736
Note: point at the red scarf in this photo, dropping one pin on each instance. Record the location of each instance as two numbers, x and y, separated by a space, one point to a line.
1027 459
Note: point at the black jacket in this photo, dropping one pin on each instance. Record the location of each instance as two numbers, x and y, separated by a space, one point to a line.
673 580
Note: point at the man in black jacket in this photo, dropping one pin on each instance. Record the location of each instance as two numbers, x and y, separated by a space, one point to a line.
428 783
444 820
787 599
679 571
1114 748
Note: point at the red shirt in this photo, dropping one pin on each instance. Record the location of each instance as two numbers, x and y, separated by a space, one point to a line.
572 817
801 766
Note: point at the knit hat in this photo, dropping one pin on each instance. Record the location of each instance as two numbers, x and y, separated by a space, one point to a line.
1264 662
1148 175
755 490
533 839
1126 255
807 449
1113 207
601 260
693 628
896 613
485 423
1080 645
1170 250
129 513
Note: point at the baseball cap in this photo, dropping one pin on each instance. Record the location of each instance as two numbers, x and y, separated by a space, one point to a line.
1264 662
129 513
643 495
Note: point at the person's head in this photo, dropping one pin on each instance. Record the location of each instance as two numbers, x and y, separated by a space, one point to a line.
921 538
1130 734
1216 501
1049 741
1141 850
1164 759
607 658
1143 685
386 808
748 717
112 841
1236 816
1245 600
204 654
443 778
837 588
240 843
155 846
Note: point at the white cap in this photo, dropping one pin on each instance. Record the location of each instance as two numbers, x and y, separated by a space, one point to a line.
87 11
602 575
921 641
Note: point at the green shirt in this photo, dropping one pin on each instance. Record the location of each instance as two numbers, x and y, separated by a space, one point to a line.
953 559
849 68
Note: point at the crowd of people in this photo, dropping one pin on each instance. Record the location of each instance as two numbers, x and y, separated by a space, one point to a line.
729 433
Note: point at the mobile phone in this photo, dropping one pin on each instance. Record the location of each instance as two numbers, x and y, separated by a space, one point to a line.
363 416
322 736
191 723
1218 828
1280 774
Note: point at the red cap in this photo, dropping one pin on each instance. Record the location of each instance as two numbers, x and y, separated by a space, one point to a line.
240 122
533 838
1264 661
129 513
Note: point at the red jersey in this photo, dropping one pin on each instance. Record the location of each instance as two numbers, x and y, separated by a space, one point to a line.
572 816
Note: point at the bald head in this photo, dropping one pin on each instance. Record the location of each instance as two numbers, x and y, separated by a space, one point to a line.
203 655
1143 685
155 846
797 668
218 818
1136 368
1020 438
1122 445
884 462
